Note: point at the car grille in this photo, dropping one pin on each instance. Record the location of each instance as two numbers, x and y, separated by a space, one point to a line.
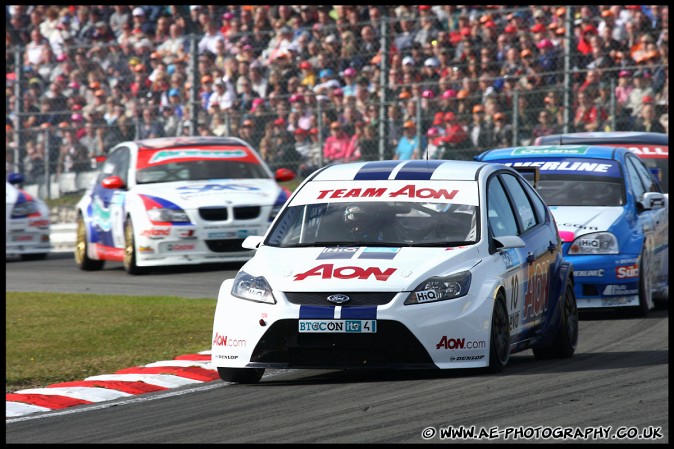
392 346
213 213
226 246
222 213
357 299
246 212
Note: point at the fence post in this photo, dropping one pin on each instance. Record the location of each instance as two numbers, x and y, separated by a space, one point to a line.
319 124
196 82
419 128
47 172
567 65
18 109
516 95
383 79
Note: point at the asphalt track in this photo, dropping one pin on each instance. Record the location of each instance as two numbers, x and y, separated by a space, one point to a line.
616 383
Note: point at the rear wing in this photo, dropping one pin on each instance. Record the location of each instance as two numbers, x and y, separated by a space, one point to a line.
531 174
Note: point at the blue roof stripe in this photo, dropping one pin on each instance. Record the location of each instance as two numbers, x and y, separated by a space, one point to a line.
418 170
376 171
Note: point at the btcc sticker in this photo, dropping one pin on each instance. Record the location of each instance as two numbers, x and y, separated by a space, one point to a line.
379 253
617 290
338 326
588 273
337 253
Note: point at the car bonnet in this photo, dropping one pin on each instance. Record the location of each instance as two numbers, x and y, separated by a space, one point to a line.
574 221
214 192
357 268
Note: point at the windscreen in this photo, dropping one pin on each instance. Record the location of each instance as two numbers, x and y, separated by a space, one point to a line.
169 165
577 182
395 213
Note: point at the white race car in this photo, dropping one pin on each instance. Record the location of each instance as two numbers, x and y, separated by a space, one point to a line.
399 264
177 201
27 222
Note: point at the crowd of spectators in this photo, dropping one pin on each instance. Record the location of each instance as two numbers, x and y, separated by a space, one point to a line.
303 84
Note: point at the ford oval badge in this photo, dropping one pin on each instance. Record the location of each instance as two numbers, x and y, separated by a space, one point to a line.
338 299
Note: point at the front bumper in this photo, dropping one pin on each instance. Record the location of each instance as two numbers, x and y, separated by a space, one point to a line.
446 334
606 281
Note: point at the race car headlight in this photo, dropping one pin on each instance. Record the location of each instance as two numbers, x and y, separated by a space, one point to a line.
595 243
168 215
252 288
24 209
439 288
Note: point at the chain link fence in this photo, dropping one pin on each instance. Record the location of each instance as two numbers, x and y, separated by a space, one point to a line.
309 89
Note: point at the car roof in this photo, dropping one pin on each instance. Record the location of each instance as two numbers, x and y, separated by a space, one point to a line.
554 151
401 170
604 138
182 142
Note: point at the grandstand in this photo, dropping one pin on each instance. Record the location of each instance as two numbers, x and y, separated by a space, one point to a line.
453 80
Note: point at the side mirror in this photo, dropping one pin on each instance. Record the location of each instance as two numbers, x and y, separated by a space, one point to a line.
113 182
284 174
252 241
15 178
508 241
653 200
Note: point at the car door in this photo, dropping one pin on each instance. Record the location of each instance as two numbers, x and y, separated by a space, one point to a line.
529 286
107 203
654 223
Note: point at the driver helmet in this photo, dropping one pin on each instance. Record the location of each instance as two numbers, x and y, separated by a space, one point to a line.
362 218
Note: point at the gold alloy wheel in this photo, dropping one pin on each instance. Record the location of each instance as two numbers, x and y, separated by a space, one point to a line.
81 243
128 245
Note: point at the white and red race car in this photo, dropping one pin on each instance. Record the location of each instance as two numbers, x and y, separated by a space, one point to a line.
26 222
177 201
399 264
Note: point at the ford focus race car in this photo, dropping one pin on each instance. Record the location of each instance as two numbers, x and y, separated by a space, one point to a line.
399 264
27 222
177 201
612 217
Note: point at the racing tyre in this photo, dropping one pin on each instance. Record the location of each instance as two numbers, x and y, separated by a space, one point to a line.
82 249
40 256
241 375
567 337
645 291
130 250
499 346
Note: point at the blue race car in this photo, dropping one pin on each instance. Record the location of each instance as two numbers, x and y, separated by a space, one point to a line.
612 217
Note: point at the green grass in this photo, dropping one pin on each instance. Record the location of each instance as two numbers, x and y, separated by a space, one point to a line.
54 337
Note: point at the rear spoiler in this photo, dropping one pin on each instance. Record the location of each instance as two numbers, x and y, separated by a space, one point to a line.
531 174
